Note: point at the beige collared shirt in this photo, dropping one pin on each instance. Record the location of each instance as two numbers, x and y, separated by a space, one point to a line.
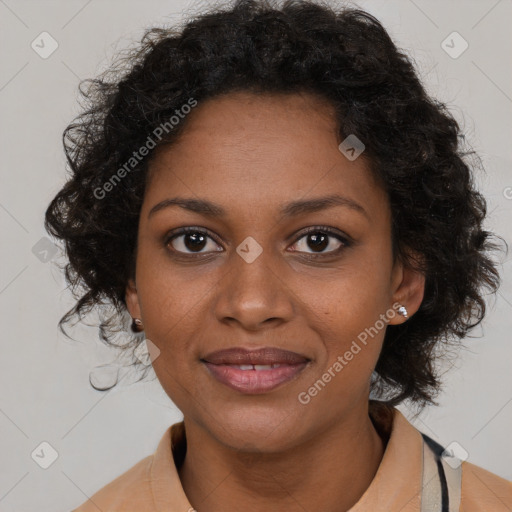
409 479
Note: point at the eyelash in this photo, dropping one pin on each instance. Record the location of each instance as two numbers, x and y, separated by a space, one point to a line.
346 242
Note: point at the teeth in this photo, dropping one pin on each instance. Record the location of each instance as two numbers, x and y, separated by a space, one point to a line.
257 366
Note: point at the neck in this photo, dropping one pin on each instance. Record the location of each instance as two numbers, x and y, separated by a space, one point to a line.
329 472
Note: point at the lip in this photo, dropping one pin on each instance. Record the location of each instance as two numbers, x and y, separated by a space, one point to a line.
227 366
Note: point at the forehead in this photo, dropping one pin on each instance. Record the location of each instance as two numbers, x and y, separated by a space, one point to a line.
262 150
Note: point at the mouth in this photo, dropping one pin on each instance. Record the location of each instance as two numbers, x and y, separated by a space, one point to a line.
254 371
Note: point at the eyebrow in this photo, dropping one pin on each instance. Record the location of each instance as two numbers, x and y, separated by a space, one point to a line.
210 209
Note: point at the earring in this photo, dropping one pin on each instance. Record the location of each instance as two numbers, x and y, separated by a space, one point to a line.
137 325
403 311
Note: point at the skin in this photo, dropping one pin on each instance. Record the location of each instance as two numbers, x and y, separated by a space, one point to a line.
253 154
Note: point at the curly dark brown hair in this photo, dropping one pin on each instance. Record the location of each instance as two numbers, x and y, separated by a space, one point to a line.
413 146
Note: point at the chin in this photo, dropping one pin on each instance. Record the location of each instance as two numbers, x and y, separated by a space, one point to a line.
259 428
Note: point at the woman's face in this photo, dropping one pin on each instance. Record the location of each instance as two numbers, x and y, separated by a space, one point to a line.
256 279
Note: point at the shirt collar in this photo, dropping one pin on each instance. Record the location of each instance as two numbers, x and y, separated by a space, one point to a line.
396 485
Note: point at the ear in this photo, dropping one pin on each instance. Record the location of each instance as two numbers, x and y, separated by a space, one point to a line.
408 287
132 299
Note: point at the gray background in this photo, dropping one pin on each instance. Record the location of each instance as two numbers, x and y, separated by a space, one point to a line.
45 393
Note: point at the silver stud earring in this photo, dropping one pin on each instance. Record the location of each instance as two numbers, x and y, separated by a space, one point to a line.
403 311
137 325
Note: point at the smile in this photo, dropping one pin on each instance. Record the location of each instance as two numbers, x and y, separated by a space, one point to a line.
257 366
254 379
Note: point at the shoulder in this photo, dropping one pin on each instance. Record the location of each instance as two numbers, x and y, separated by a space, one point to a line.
150 485
484 491
479 490
129 491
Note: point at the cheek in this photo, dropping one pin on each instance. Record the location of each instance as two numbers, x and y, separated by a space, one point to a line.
173 308
348 317
170 299
352 345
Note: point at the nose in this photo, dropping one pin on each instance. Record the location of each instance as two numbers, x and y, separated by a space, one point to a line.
254 295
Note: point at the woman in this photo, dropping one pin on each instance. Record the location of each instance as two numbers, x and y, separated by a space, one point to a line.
288 219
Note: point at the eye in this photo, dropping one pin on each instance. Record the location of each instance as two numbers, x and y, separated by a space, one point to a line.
320 240
191 240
